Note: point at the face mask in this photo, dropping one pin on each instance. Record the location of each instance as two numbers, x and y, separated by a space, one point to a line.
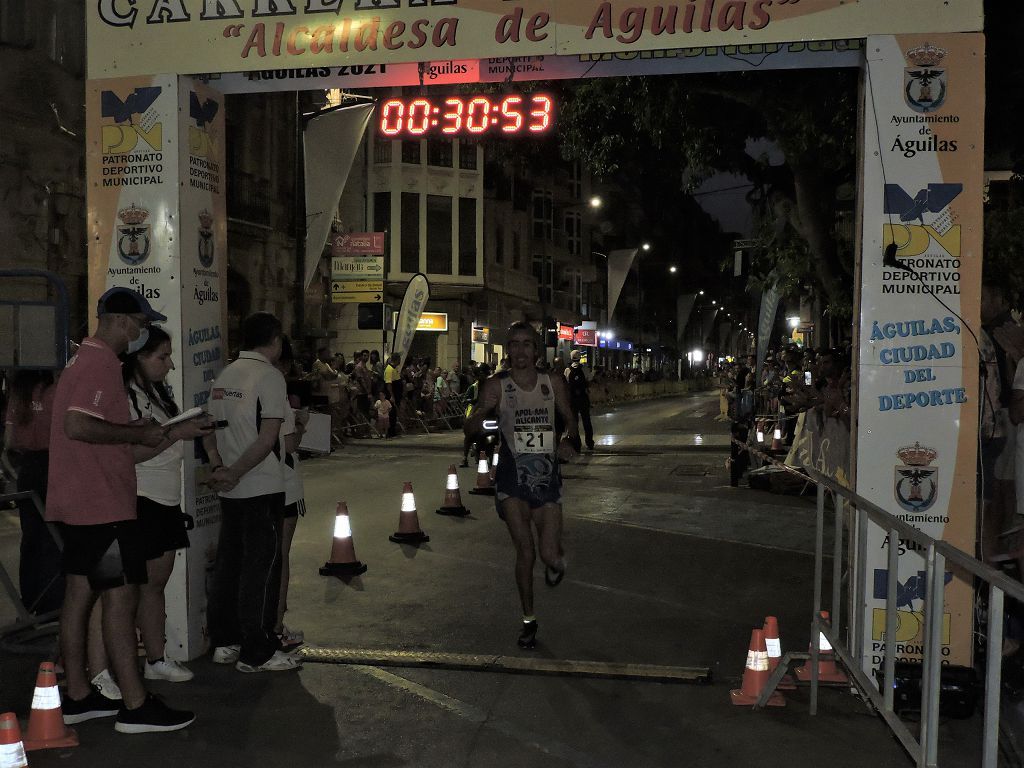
139 343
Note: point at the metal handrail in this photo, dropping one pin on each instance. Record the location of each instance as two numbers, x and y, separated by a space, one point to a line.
924 749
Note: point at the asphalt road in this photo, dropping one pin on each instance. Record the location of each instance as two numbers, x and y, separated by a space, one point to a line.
668 565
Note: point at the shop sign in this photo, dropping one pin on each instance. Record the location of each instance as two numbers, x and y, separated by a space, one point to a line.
436 322
358 244
586 337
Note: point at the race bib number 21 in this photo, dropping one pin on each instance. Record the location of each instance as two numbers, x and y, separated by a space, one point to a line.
534 439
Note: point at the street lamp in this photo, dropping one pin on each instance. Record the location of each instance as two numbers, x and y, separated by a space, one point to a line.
596 202
673 269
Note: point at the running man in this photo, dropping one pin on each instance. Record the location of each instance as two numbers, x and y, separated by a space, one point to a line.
528 484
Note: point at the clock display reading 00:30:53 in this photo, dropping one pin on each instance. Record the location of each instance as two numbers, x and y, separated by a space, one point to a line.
510 115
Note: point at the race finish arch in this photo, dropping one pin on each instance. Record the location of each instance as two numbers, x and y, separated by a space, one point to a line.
155 173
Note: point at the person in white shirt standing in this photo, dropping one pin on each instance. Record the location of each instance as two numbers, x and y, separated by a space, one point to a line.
251 396
158 476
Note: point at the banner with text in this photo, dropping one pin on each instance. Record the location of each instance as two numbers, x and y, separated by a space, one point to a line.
187 36
917 428
660 61
158 224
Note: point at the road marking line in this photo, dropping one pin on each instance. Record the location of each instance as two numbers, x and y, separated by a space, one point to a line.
523 665
476 715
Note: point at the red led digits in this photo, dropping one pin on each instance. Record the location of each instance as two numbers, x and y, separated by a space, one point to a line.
479 119
513 115
510 109
391 114
419 117
455 126
541 112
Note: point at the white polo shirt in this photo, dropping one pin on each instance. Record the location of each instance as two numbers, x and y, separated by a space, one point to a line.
248 391
159 478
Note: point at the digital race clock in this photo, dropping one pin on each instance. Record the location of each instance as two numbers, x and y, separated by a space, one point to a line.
511 115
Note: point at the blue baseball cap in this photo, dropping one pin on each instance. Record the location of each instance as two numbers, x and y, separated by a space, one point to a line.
125 301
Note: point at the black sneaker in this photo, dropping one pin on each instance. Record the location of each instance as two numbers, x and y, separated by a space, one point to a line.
91 707
528 635
553 576
152 716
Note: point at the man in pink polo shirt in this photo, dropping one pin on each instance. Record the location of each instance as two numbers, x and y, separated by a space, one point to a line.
91 497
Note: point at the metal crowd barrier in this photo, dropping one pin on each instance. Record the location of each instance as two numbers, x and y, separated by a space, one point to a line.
20 635
923 747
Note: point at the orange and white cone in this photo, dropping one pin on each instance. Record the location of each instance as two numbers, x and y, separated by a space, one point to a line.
484 483
756 675
12 751
774 646
452 504
777 437
46 728
343 562
828 670
408 521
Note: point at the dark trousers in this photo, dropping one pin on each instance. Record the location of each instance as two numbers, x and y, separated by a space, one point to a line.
740 456
582 410
396 389
247 576
39 572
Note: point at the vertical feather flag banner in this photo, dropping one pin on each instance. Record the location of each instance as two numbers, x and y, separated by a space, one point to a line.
417 293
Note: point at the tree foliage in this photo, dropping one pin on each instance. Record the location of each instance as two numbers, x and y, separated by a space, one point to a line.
704 124
1004 251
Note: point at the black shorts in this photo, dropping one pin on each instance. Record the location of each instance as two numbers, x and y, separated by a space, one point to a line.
163 527
295 509
110 555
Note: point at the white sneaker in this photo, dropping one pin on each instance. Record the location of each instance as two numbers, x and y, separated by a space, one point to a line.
279 662
226 654
106 684
291 636
167 669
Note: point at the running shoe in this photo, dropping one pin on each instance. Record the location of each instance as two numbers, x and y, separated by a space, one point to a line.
553 576
279 662
289 636
91 707
106 684
226 654
152 717
528 635
166 669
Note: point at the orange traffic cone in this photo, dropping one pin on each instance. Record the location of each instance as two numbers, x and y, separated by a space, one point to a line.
494 465
828 671
12 751
777 437
774 646
408 522
46 727
343 562
756 675
484 484
452 504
